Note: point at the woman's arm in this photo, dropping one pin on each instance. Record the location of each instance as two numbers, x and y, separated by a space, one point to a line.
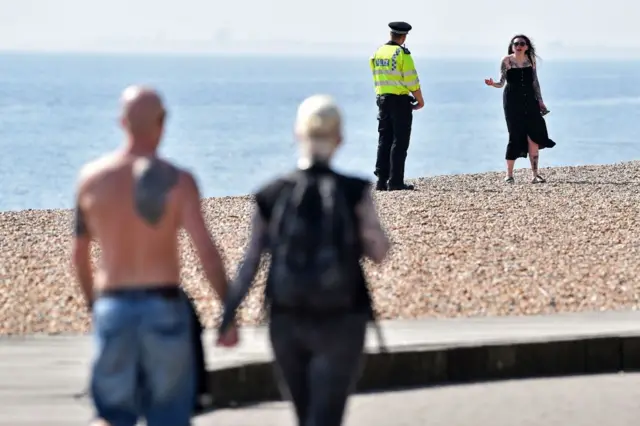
504 67
536 83
247 269
374 240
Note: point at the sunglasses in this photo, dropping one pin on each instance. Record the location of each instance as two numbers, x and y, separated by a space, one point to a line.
519 43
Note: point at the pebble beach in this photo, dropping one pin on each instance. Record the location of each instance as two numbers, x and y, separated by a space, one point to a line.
465 245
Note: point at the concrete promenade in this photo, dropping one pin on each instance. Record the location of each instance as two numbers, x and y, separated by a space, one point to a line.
40 374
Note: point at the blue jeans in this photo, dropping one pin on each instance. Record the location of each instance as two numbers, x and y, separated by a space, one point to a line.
144 361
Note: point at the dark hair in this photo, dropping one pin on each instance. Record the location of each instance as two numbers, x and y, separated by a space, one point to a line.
531 51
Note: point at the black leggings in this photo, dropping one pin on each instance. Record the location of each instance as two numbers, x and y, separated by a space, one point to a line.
318 361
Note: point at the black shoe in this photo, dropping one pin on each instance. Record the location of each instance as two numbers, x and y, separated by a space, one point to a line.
400 187
381 186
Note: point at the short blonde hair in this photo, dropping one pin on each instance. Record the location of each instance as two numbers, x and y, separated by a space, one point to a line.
319 125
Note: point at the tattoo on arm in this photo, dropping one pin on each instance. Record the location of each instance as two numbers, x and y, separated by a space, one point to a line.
536 85
504 67
80 225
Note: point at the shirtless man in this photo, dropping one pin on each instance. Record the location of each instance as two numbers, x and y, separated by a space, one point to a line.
133 204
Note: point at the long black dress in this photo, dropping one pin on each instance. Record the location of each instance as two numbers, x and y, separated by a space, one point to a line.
522 112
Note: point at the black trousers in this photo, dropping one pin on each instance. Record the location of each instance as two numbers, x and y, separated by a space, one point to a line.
395 116
318 362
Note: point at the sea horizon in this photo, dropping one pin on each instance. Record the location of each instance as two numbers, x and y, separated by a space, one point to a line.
486 55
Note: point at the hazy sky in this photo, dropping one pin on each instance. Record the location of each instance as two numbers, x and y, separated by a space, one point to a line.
454 27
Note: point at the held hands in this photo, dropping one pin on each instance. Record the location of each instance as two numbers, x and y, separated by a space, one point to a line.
229 338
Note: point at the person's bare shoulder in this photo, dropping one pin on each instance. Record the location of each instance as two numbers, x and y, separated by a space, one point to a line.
94 169
188 197
187 184
186 178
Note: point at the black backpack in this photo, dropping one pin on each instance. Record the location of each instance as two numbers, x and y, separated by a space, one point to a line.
315 246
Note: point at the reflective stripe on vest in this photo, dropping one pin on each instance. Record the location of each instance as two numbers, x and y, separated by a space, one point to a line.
393 71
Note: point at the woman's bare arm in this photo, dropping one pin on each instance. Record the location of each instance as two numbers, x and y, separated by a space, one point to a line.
536 83
504 67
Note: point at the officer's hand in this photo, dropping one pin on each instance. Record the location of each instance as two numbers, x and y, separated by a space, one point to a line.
418 105
488 81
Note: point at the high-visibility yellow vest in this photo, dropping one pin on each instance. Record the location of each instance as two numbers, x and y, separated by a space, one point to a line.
394 72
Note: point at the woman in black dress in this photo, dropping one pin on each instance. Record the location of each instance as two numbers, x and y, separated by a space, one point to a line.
523 106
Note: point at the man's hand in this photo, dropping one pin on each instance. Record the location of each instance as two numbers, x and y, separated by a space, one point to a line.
229 338
418 105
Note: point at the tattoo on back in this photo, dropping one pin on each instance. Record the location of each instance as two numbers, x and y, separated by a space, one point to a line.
153 181
80 225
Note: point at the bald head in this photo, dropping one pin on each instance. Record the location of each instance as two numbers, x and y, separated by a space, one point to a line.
142 113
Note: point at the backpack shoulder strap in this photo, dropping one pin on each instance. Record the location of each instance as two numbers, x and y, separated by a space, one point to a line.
327 189
345 212
290 195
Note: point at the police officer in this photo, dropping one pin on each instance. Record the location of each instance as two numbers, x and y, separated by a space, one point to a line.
396 79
